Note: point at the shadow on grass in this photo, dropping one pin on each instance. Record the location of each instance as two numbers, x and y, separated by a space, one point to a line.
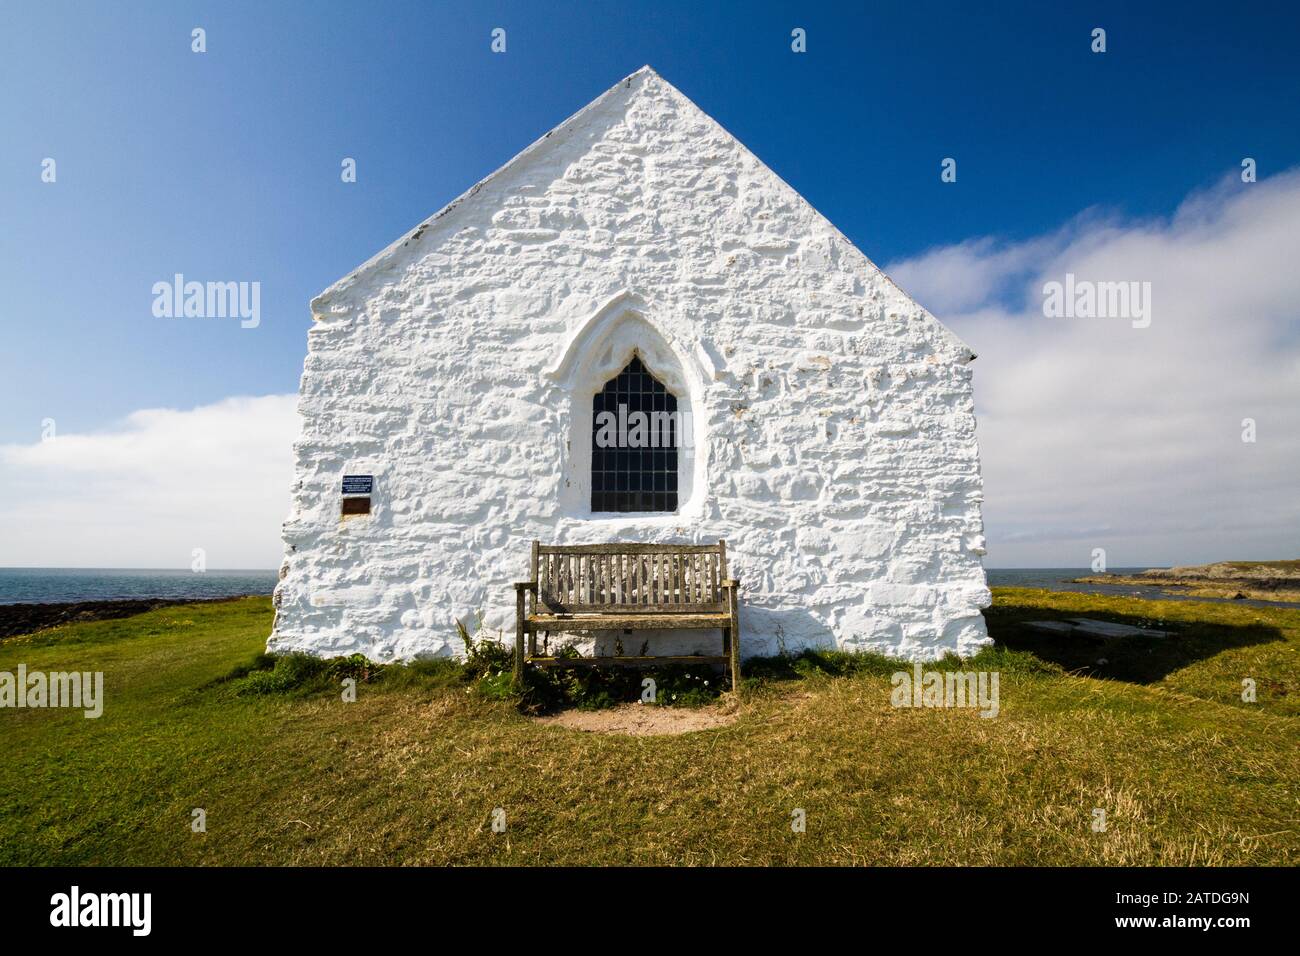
1137 660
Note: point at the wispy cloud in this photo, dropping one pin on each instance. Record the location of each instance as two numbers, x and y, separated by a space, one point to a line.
1094 433
148 492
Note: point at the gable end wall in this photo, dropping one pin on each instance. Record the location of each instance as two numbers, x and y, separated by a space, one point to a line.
842 466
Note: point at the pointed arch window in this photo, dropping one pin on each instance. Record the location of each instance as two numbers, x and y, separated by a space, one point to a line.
634 443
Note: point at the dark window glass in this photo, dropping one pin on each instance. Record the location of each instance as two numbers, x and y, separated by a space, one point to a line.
634 471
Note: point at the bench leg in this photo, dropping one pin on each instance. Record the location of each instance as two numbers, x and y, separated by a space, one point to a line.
733 605
519 636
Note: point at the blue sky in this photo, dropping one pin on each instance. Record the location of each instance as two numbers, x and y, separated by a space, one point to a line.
225 165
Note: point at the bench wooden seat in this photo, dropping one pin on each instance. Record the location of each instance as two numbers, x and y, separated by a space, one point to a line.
627 587
625 661
627 622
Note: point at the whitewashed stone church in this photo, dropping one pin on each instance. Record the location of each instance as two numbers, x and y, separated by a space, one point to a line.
452 385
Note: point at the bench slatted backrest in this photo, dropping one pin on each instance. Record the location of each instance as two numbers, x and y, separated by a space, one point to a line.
630 578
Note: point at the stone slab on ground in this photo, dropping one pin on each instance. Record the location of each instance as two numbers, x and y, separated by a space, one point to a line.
1090 628
1051 627
1109 629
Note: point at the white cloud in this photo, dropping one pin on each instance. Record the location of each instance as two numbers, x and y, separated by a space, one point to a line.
148 492
1097 434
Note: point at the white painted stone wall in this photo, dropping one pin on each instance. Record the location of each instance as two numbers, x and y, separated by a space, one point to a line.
835 424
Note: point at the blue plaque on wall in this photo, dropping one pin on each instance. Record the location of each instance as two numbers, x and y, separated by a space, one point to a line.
358 484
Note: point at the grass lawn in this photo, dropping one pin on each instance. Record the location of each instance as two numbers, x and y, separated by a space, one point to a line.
1158 737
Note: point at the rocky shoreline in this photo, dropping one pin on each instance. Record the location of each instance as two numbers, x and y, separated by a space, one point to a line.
18 619
1235 580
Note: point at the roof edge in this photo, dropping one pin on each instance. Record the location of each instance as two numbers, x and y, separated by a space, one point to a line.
839 235
320 301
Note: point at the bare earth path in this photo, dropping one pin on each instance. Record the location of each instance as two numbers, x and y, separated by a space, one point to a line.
636 720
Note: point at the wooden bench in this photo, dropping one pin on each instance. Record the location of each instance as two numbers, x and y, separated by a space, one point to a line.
627 587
